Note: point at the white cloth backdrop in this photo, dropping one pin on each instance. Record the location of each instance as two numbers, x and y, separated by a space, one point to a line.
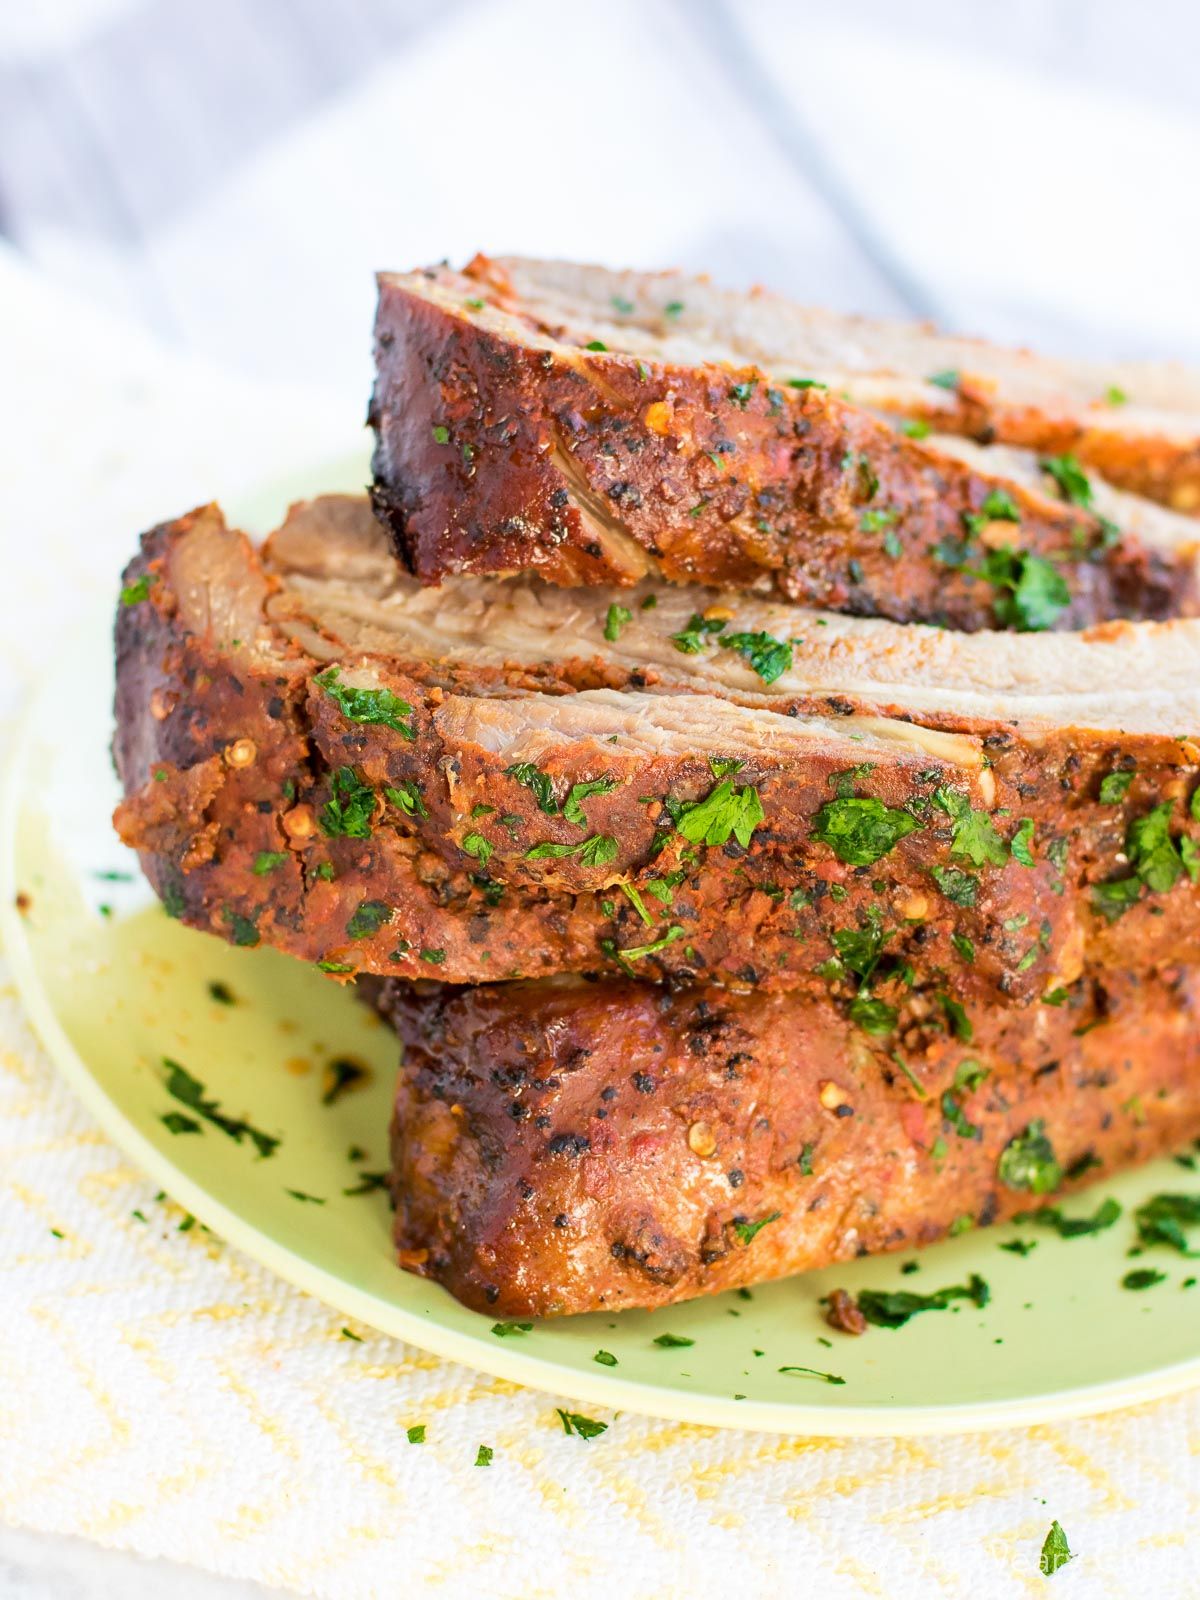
201 194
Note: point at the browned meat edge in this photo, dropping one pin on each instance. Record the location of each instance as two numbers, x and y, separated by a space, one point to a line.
495 454
564 1147
227 755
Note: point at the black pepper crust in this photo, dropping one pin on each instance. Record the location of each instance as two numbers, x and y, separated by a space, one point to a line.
567 1211
496 454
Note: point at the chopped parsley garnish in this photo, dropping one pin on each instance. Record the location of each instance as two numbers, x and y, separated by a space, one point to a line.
615 620
748 1231
691 639
605 1358
305 1199
723 811
375 706
954 1114
1115 786
484 1455
805 383
137 591
998 506
961 889
244 929
1021 843
441 434
416 1434
1113 899
1105 1214
1152 851
950 379
573 805
875 1017
814 1372
969 1076
582 1427
1163 1218
267 860
367 1183
476 846
1115 396
538 783
510 1330
960 1023
434 957
1143 1278
766 655
594 852
893 1308
622 305
673 308
595 344
974 833
860 831
368 919
1033 593
673 1341
351 804
1028 1161
843 782
879 520
221 993
1072 481
340 1076
1157 861
964 946
178 1122
406 797
190 1092
638 951
1055 1551
915 428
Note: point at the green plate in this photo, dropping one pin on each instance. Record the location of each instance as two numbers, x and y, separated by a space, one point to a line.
115 988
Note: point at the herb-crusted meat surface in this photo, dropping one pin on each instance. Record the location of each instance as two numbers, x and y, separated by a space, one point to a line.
566 1147
518 428
1137 423
493 781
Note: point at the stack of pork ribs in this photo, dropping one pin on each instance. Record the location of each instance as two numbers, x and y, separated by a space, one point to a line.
751 755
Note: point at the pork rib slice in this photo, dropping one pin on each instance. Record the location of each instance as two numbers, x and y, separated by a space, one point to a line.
321 754
568 1147
1136 423
511 435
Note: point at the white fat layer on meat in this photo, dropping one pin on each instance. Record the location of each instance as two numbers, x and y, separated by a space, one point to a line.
1121 677
525 726
877 362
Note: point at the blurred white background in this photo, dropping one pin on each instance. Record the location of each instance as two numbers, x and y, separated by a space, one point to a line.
230 174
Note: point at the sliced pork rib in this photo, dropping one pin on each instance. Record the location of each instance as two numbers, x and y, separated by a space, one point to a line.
565 1147
575 426
498 780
